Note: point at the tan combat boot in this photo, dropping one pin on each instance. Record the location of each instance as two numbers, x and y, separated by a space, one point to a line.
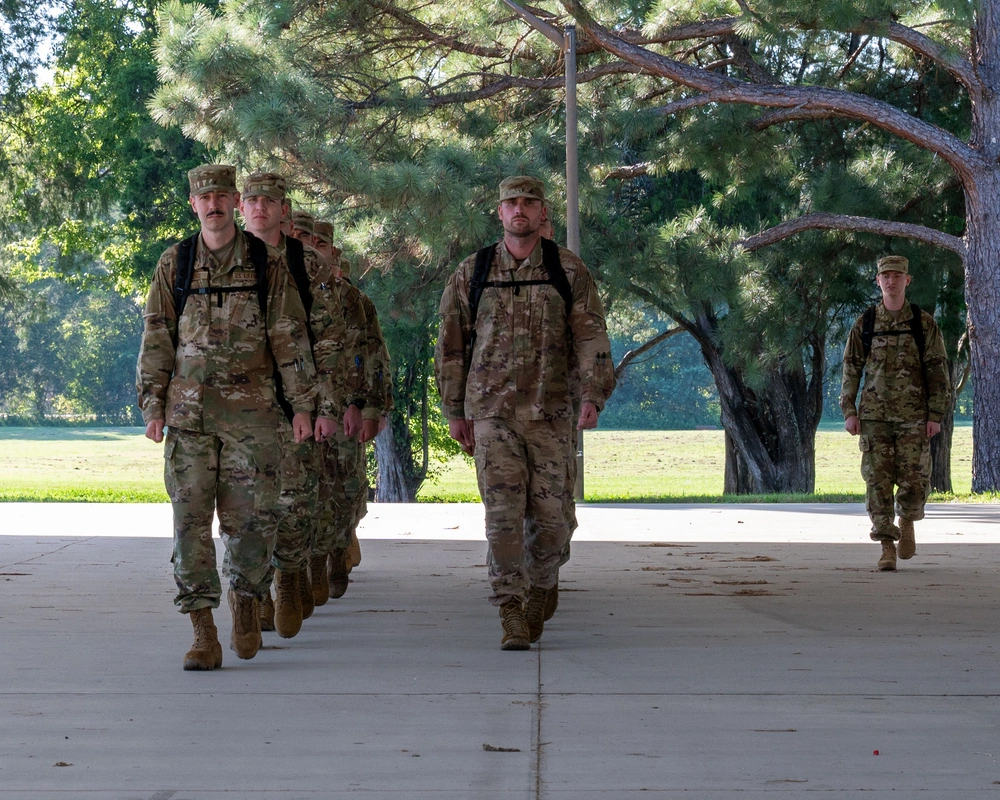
267 613
552 603
907 544
306 593
287 603
320 581
887 563
353 552
515 627
206 652
245 638
337 573
534 613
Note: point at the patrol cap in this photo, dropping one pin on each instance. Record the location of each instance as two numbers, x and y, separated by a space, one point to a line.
268 184
212 178
323 230
894 264
522 186
303 221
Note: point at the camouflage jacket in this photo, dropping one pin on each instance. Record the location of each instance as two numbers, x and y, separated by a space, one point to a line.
379 399
518 364
893 381
213 369
334 345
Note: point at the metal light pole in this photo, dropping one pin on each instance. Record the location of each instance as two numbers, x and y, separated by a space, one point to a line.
566 42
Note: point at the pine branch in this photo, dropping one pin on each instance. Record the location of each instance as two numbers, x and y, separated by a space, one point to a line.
962 158
631 355
845 222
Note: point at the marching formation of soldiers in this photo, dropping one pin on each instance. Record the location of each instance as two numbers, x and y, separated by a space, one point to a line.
265 371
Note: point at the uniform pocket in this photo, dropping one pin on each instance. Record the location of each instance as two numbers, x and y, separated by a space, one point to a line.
865 443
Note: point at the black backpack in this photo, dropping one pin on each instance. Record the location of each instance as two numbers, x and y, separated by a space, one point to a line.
553 269
868 333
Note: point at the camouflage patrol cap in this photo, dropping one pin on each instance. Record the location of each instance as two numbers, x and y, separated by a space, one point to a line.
894 264
212 178
303 221
323 230
268 184
522 186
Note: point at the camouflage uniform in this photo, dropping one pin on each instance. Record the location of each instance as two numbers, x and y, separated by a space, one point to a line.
301 462
513 380
339 482
209 375
894 411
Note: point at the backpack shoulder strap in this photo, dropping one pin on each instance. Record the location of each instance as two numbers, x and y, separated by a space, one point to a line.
257 251
917 329
186 252
554 269
484 259
868 330
296 256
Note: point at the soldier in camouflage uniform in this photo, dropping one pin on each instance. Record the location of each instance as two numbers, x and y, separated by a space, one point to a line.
346 474
505 390
903 401
263 206
208 376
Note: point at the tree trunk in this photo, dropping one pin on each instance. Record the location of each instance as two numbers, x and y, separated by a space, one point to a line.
982 281
941 454
770 433
391 486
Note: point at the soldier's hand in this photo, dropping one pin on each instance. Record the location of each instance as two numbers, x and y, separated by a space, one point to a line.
369 430
302 426
352 422
588 417
933 429
463 431
325 428
154 430
852 425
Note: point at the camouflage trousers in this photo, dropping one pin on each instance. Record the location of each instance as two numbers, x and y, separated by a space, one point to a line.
343 490
523 475
297 500
233 474
894 455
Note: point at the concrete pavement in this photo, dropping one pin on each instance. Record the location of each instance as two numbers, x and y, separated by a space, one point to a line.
698 652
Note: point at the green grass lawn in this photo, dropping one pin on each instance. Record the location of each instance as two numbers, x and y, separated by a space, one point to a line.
119 465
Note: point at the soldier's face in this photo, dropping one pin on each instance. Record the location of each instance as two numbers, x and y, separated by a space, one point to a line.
893 284
262 214
325 249
303 236
215 209
521 216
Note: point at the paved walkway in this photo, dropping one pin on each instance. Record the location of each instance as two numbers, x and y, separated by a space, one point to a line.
698 652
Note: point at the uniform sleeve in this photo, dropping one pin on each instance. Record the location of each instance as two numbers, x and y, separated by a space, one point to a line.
355 346
590 336
379 399
287 330
329 340
854 367
936 369
157 352
453 349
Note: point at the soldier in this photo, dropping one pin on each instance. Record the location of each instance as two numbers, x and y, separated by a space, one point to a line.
263 206
303 224
900 352
511 316
347 466
221 314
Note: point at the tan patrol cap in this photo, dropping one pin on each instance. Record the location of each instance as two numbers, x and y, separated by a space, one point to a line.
303 221
268 184
212 178
522 186
894 264
323 230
